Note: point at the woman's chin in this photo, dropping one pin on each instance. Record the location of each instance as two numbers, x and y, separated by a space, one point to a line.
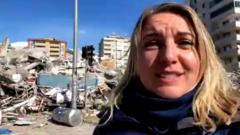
170 92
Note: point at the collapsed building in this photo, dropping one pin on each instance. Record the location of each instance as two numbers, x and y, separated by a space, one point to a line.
29 82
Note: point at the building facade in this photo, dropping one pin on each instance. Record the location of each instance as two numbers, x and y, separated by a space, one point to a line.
222 19
56 49
116 48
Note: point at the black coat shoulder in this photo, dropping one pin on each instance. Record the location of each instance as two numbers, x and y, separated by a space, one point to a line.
233 129
119 124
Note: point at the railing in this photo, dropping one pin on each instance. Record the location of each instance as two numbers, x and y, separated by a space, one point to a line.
227 40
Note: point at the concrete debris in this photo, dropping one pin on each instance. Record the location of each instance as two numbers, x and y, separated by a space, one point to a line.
110 74
27 102
23 122
31 83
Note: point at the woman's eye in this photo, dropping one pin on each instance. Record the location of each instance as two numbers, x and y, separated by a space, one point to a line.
185 43
151 45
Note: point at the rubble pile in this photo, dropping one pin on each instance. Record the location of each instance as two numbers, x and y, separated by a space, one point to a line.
28 84
18 90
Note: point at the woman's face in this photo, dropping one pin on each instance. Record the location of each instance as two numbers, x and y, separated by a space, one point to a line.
168 63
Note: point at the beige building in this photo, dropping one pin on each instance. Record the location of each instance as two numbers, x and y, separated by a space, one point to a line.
115 48
222 18
56 49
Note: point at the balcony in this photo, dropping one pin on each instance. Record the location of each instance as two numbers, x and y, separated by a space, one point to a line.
227 27
238 37
108 51
237 10
227 40
223 15
214 3
54 53
228 53
54 49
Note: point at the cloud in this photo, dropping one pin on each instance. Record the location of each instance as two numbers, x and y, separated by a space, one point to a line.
19 45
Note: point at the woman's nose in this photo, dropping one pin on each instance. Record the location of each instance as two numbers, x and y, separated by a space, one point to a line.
168 53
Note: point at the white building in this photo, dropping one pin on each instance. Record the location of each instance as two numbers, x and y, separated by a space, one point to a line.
116 48
222 18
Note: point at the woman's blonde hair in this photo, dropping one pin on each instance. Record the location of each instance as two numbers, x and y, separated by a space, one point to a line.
215 102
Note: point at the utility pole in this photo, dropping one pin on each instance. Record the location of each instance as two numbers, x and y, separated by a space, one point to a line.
85 84
74 69
116 53
71 116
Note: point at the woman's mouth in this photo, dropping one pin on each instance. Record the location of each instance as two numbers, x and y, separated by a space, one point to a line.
169 77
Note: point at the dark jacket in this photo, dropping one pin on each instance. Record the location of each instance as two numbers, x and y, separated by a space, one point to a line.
143 113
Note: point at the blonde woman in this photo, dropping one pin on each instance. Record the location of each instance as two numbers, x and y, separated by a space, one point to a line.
174 83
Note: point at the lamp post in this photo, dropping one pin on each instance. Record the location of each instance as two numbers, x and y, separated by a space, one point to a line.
116 53
71 116
75 46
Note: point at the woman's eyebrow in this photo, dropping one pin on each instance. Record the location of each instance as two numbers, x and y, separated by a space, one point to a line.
151 35
185 34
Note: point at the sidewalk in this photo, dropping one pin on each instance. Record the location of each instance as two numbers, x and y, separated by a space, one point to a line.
43 126
53 129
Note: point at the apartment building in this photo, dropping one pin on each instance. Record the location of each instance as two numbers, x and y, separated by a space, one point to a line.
222 19
56 49
116 48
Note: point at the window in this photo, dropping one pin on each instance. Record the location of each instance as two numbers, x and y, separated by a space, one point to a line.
226 34
227 47
203 15
40 46
228 60
54 46
224 48
107 54
222 10
107 49
225 22
107 44
237 31
203 5
216 37
52 51
237 3
54 55
39 41
54 42
214 2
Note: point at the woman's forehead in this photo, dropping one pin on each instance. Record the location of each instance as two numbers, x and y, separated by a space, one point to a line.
165 23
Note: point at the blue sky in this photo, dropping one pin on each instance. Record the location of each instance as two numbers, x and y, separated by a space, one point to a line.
24 19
